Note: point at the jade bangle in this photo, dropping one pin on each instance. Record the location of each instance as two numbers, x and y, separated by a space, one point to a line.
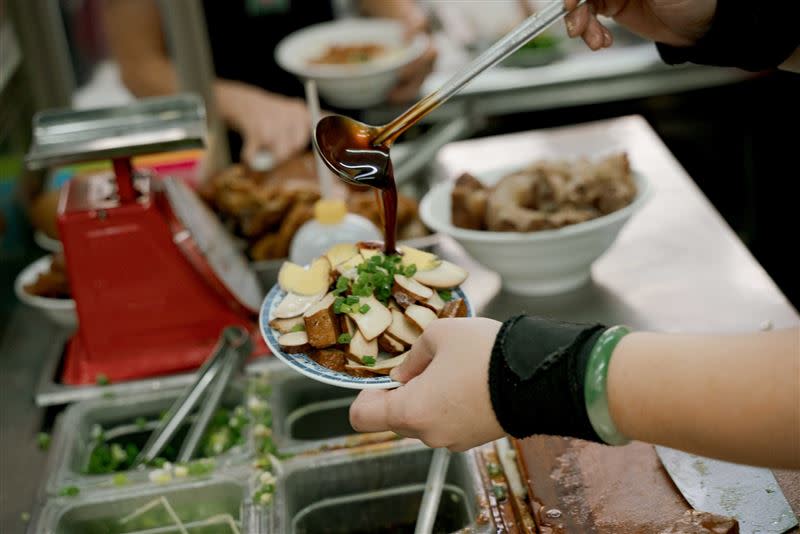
594 386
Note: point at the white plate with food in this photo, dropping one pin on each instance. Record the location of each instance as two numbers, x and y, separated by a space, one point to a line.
351 316
355 62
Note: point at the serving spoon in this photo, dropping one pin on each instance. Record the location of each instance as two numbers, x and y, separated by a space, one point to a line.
359 153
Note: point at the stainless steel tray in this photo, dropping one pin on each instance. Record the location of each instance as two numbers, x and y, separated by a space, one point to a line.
227 493
372 491
145 126
51 392
73 440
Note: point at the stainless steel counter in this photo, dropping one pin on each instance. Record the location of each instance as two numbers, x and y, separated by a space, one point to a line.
676 267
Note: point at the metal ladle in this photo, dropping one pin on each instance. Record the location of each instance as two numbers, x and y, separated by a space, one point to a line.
340 140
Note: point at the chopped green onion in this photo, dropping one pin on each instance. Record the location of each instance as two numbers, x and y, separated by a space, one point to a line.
119 479
69 491
364 308
493 469
369 361
446 295
299 328
102 380
500 492
345 338
410 270
377 259
43 440
346 309
342 283
158 462
351 300
140 423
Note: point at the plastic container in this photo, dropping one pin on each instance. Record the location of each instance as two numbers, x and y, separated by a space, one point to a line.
331 225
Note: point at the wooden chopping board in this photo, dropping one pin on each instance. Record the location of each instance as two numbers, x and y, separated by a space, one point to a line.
577 486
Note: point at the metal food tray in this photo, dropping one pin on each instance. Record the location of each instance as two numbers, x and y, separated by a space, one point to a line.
145 126
336 478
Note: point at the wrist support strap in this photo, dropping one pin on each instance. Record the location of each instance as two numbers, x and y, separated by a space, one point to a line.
536 377
753 36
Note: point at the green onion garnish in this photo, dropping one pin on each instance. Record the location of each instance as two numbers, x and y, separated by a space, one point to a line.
369 361
345 338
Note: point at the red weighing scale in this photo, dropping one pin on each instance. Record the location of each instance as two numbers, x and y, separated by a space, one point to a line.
154 274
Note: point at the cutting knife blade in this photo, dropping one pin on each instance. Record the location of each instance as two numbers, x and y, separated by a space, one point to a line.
750 494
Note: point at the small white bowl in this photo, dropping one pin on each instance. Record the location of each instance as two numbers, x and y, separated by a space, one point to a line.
59 311
533 263
351 86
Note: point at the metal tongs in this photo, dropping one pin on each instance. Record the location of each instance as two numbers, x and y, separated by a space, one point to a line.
233 347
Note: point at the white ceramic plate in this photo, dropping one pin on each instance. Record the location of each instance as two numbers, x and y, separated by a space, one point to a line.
303 364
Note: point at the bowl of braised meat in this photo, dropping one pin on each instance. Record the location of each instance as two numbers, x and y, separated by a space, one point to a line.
350 317
355 62
543 226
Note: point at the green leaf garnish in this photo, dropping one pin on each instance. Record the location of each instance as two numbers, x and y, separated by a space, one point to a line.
69 491
43 440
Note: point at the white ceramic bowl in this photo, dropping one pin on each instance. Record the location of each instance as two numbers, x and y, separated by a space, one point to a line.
350 86
59 311
533 263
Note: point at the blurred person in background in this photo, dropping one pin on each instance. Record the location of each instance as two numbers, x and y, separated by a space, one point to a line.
260 102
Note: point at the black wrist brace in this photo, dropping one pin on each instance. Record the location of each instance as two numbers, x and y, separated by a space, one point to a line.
536 376
757 37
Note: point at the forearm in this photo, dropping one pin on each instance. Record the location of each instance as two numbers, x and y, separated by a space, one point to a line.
397 9
731 397
793 63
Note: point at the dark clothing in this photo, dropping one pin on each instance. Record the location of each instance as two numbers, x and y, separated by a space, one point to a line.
244 35
753 36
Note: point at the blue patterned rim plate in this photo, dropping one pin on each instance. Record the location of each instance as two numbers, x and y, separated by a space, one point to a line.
303 364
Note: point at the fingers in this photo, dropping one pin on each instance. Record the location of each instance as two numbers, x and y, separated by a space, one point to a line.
584 23
417 361
381 410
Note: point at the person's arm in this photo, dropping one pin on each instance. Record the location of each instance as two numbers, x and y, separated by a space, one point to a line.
469 381
755 37
133 29
735 397
265 120
793 63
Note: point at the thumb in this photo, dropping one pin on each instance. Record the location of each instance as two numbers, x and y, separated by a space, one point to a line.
417 359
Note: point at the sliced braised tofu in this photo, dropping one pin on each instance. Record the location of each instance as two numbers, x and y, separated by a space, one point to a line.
389 344
294 305
447 275
374 321
347 325
284 326
403 300
349 269
359 347
294 342
410 288
420 315
454 308
423 261
435 303
383 367
367 253
305 281
322 324
340 253
403 329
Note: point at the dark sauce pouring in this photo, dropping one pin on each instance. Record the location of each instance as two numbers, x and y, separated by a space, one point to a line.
359 154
